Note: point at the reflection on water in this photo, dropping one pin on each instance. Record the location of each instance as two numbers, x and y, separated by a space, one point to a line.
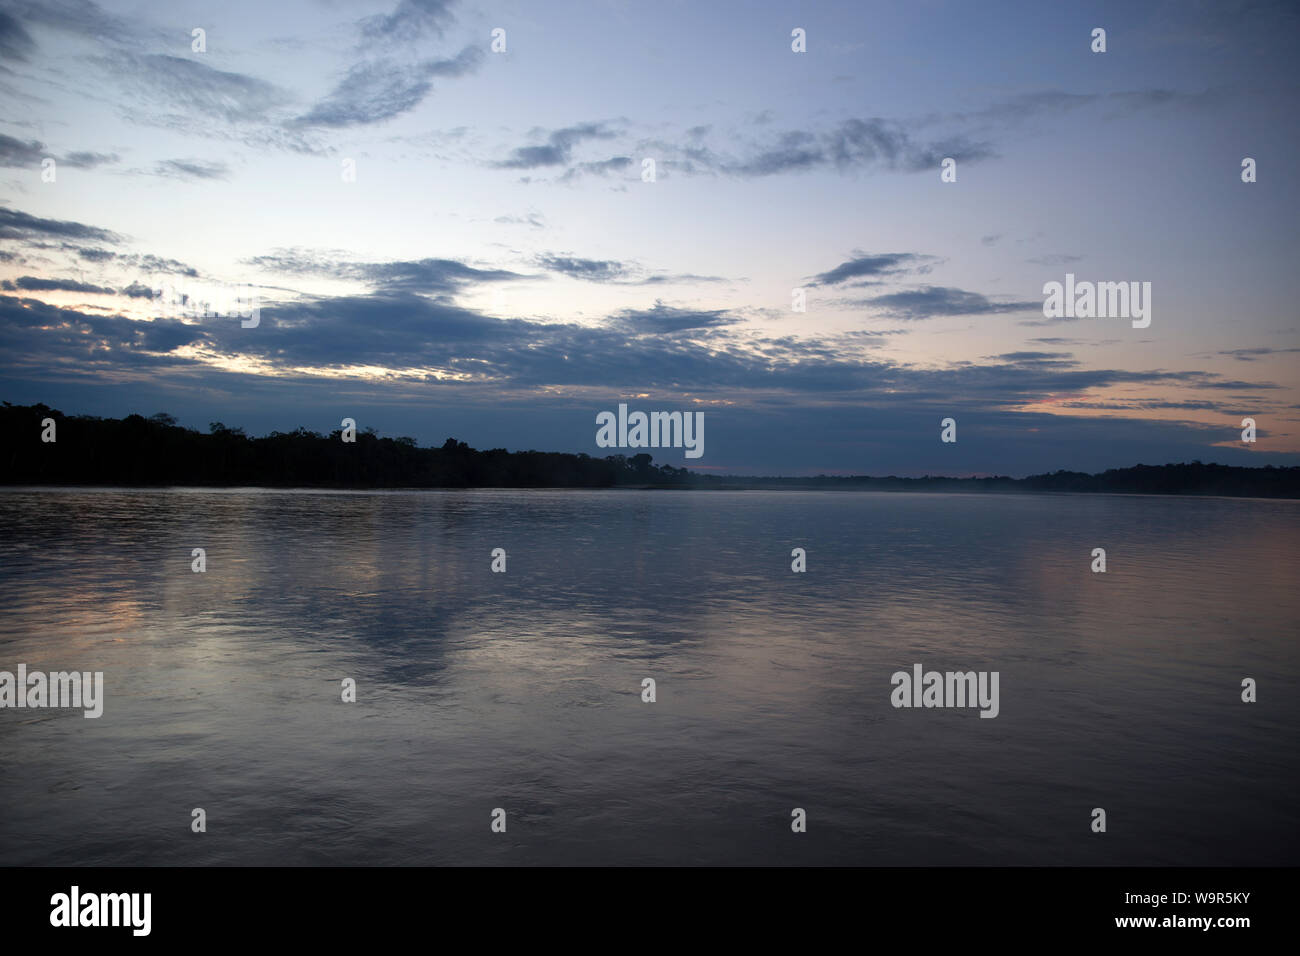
523 690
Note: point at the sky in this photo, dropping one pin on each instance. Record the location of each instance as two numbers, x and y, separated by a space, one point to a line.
445 215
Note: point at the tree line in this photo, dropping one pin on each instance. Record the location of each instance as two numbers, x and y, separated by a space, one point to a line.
157 451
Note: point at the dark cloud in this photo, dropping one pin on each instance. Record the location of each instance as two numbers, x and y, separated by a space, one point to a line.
1240 385
33 284
15 42
137 291
151 263
192 169
853 144
17 153
662 350
1140 404
1252 355
424 275
19 225
935 301
20 153
81 17
595 270
86 160
144 262
377 90
664 319
87 343
864 266
795 151
876 142
614 272
1057 359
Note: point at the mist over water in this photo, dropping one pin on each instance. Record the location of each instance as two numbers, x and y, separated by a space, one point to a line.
522 690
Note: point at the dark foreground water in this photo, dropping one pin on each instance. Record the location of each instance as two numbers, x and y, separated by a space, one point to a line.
522 690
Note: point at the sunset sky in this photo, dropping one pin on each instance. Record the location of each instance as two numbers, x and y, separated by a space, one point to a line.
499 270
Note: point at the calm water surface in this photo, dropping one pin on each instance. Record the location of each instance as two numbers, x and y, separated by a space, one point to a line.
523 690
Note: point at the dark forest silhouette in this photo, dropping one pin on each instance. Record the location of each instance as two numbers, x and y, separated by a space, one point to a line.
156 451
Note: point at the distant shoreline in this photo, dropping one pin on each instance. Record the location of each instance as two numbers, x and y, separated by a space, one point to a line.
41 447
713 489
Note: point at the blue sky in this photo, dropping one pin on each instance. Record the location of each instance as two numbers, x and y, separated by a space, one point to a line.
500 271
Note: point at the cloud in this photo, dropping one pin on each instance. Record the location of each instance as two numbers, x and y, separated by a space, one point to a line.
558 148
33 284
878 142
15 42
595 270
189 169
864 266
1054 259
137 291
1018 110
17 153
152 263
851 145
1253 355
19 225
434 343
196 90
601 167
423 275
613 272
934 301
855 144
666 320
532 219
410 20
80 17
87 344
793 151
377 90
1038 359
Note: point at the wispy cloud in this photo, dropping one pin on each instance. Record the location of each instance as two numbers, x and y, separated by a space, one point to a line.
377 90
410 20
31 153
192 169
15 42
193 89
423 275
558 147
